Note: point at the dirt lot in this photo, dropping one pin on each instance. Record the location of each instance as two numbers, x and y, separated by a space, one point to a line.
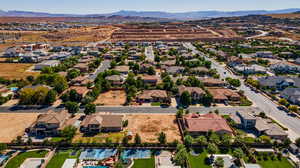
149 126
14 124
111 98
15 71
283 16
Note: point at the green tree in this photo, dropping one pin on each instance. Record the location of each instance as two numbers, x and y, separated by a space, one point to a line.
283 102
90 109
214 138
188 140
185 98
212 148
30 78
162 138
238 153
219 162
207 99
179 113
73 73
151 71
72 107
51 97
234 82
201 140
137 139
68 132
3 147
125 140
297 142
293 108
181 156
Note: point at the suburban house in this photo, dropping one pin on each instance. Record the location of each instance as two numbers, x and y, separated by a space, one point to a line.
115 80
291 94
48 124
222 95
243 120
264 54
250 69
195 92
285 67
148 96
80 81
95 123
81 90
196 124
199 70
150 79
174 69
122 69
82 67
279 82
47 63
5 92
212 82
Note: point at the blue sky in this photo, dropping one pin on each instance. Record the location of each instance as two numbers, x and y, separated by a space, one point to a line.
106 6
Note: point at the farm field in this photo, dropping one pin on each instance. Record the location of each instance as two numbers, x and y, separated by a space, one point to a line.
15 71
15 125
149 126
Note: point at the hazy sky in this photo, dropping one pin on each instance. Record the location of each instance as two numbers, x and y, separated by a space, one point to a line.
106 6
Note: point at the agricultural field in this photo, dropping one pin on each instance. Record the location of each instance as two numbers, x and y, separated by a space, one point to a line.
16 71
15 125
149 126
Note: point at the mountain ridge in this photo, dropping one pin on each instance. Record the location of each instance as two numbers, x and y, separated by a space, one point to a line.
154 14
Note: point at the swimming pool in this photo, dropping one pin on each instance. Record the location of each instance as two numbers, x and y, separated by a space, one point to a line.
3 158
97 154
136 154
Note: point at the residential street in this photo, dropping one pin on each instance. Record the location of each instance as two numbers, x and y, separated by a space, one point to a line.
104 66
259 100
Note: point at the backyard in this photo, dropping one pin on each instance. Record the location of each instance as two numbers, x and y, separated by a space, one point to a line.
59 158
111 98
149 126
15 71
17 161
198 161
99 138
144 163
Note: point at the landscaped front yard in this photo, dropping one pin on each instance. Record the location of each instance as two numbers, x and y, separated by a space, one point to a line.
18 160
144 163
60 157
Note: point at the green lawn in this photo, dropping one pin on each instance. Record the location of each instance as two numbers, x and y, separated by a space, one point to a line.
20 158
284 163
144 163
155 104
198 161
57 139
59 159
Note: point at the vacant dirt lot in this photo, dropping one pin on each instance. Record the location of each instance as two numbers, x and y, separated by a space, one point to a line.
15 71
14 124
149 126
111 98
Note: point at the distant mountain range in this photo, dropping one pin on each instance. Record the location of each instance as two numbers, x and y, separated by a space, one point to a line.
156 14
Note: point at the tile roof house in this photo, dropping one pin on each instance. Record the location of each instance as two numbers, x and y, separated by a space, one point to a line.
48 124
196 92
221 95
174 69
115 80
96 123
148 96
150 79
212 82
81 90
197 124
80 81
122 69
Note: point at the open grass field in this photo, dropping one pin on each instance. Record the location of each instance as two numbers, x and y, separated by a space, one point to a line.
59 158
144 163
149 126
17 161
111 98
14 124
15 71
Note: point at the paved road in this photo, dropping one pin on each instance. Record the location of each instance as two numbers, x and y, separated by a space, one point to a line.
259 100
104 66
262 33
149 53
